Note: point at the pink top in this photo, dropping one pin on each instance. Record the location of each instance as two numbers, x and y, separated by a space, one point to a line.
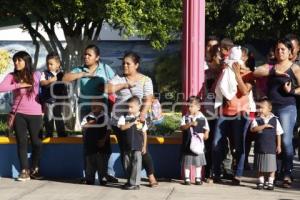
28 105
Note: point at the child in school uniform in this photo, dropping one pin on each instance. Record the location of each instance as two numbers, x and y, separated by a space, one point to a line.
268 133
52 94
96 142
134 140
193 126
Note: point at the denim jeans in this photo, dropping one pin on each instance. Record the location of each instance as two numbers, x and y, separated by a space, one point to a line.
233 128
287 117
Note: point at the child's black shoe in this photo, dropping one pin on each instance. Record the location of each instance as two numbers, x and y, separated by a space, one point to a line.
259 186
187 181
198 181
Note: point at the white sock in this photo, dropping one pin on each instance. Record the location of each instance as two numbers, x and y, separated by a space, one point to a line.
198 172
271 180
261 179
187 174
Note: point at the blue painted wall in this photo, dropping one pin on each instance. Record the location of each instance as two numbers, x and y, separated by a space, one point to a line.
66 160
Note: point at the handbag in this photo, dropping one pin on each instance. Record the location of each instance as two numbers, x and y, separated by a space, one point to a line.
196 145
111 97
11 116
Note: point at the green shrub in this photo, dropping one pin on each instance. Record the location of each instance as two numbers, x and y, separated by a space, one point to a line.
169 126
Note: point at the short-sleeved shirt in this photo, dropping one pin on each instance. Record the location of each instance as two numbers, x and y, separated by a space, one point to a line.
96 117
133 138
122 121
193 118
143 88
95 133
239 103
187 134
93 86
279 130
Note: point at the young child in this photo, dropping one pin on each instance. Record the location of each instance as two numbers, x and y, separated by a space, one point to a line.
96 141
134 138
155 116
193 124
51 95
267 143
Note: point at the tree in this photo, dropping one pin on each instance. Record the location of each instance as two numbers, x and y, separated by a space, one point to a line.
81 22
245 20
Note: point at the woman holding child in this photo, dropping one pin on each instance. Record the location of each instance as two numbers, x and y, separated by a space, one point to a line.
233 121
132 83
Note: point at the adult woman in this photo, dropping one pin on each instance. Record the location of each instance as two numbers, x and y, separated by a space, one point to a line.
24 83
92 76
232 125
131 84
283 85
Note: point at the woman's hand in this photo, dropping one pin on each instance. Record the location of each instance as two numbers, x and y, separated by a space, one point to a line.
236 67
287 87
87 74
283 74
131 83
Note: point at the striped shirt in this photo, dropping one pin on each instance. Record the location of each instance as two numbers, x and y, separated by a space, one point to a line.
143 88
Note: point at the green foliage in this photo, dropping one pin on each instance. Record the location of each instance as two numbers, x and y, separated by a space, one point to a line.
3 125
81 21
169 126
167 74
157 20
246 20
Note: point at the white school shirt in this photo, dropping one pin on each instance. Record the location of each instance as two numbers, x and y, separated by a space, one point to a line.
279 130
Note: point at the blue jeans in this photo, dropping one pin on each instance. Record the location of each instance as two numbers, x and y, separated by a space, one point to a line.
287 117
235 130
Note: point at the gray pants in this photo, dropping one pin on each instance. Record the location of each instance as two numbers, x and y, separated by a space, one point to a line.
96 163
133 166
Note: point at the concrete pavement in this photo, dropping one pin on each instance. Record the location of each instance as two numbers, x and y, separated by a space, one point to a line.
168 190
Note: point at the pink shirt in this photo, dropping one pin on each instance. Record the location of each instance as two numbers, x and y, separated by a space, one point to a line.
29 104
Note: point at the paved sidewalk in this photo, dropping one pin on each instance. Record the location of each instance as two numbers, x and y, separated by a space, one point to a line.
168 190
173 190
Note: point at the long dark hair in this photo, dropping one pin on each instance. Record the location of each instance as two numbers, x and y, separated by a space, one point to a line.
25 75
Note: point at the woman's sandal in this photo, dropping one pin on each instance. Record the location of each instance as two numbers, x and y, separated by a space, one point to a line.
287 183
153 184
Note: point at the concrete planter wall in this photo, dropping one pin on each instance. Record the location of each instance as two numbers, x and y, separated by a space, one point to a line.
63 157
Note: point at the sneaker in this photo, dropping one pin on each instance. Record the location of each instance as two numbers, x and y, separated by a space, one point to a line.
259 186
35 174
198 181
24 175
131 187
111 179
